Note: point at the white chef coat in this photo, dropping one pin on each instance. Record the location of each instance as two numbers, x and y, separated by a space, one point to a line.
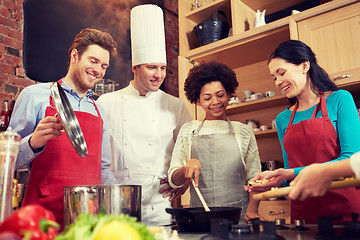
143 130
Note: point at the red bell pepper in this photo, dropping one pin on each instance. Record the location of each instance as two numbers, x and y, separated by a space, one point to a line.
33 222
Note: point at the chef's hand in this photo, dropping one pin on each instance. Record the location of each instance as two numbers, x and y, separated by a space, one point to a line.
312 181
276 178
192 170
173 193
48 128
252 214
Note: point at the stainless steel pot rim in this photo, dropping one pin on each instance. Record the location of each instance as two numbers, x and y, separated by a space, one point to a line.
68 119
104 185
87 188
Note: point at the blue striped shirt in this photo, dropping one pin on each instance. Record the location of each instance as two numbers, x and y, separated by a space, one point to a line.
30 108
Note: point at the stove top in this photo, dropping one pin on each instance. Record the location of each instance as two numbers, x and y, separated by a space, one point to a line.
278 230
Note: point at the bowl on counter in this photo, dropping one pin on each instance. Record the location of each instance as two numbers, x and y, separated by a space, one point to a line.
199 220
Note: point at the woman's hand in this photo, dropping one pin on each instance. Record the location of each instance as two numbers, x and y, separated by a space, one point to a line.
252 214
312 181
276 178
173 193
252 209
192 170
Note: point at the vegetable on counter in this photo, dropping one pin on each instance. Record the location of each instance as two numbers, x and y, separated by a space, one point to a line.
115 229
109 227
10 236
32 222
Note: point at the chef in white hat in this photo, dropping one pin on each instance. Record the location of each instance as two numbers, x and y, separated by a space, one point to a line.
144 121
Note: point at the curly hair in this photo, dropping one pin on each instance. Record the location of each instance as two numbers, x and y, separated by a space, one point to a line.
205 73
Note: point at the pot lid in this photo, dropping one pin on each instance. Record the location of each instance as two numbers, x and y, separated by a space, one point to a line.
68 119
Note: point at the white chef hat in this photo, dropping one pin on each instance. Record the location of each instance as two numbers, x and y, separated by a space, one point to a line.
147 35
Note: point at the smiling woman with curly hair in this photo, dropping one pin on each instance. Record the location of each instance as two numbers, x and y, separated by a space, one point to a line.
220 155
205 73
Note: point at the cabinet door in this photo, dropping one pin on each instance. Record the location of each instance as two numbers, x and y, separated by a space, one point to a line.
334 36
272 210
184 67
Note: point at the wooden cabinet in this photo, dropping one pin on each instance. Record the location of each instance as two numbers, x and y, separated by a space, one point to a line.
272 210
334 36
331 29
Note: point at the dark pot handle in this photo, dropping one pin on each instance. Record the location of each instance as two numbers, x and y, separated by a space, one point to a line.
215 15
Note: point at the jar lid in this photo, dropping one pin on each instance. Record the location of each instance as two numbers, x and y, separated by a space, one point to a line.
10 135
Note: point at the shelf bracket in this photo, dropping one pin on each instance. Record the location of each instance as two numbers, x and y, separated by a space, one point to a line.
192 62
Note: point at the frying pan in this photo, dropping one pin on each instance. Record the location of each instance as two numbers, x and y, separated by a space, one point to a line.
68 119
199 220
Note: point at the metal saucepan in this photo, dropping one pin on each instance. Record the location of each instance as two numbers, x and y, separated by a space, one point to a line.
107 199
68 119
199 220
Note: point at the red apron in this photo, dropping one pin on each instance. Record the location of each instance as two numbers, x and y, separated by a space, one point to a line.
315 141
59 165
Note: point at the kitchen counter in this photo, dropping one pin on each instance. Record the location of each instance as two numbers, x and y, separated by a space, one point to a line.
192 236
310 233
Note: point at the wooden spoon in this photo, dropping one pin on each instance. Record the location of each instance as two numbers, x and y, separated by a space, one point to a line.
207 209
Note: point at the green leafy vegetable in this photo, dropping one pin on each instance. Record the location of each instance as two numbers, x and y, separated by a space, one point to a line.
87 225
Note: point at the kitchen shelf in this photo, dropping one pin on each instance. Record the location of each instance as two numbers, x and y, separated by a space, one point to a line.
271 6
256 105
250 44
266 134
205 12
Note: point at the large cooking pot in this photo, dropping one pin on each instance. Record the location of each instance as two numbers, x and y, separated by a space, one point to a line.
199 220
108 199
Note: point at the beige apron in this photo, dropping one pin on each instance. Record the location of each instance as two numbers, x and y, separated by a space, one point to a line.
222 170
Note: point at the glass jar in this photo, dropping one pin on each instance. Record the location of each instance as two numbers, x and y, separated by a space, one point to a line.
9 147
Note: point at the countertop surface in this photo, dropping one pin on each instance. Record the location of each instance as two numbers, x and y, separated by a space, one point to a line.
191 236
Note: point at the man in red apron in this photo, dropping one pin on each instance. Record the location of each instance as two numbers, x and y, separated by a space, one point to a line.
49 154
315 141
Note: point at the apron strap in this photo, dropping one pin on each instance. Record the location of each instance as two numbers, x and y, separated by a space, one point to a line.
52 105
97 110
293 114
202 123
238 140
321 106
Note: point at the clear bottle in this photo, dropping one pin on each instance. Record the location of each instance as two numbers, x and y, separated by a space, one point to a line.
11 108
15 198
5 116
9 147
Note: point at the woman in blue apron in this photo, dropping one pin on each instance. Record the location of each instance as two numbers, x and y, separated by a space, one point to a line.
220 155
322 125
